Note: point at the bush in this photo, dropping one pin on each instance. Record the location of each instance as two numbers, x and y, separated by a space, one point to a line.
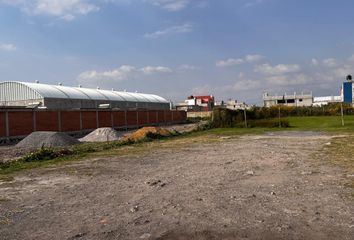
41 155
223 118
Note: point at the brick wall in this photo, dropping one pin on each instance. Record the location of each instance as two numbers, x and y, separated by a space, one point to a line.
132 118
152 116
89 120
105 119
70 121
20 123
119 119
47 121
2 125
23 122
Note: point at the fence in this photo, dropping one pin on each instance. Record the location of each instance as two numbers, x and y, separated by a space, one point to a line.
21 122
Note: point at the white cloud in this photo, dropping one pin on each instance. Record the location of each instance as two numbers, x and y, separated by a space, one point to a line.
120 74
252 3
159 69
123 73
187 67
229 62
329 62
286 80
314 62
254 58
246 85
170 5
63 9
237 61
351 58
279 69
8 47
185 28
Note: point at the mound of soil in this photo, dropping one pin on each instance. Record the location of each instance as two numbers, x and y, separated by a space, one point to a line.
47 139
142 132
102 135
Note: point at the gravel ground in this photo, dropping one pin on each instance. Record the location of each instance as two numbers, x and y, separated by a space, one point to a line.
251 187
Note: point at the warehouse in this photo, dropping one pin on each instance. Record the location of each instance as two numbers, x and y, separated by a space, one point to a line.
37 95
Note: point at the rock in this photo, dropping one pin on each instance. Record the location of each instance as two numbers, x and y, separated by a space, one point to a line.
251 173
272 193
134 209
327 144
145 236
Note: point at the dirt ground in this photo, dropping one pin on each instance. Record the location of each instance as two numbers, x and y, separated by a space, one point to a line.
273 186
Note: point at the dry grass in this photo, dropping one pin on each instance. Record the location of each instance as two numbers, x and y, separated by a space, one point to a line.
341 153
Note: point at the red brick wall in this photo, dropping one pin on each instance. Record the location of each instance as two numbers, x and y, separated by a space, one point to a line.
119 119
70 121
131 118
47 121
2 125
89 120
104 119
168 115
179 116
152 116
161 116
143 117
20 123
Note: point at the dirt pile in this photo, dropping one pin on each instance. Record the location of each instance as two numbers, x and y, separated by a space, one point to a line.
47 139
103 135
143 132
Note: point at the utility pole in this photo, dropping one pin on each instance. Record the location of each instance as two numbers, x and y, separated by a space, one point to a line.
244 111
279 117
342 113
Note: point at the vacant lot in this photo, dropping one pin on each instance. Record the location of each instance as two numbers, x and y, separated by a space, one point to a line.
284 185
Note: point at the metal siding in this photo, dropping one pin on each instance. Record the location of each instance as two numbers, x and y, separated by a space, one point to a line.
348 92
23 91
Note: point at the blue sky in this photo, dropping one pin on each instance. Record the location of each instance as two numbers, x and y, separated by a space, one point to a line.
229 48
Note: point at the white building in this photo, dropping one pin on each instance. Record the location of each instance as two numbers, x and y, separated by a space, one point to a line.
293 100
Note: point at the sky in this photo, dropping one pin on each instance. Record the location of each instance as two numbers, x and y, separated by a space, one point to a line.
232 49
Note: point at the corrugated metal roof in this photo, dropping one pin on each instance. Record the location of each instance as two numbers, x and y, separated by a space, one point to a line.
64 92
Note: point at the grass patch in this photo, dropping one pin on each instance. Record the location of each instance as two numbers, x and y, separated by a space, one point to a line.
340 153
323 123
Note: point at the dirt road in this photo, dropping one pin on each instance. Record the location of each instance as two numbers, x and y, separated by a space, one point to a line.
275 186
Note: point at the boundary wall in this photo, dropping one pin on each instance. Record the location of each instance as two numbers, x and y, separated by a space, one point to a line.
18 123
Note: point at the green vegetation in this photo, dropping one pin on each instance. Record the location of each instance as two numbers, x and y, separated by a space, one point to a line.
323 123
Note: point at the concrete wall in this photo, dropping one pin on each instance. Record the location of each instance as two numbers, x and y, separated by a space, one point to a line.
21 122
199 114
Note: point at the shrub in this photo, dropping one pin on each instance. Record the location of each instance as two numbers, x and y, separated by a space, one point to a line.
41 155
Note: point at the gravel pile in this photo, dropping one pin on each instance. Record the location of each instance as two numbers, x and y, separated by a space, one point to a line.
47 139
103 135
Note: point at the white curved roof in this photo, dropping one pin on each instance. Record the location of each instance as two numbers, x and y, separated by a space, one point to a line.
54 91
